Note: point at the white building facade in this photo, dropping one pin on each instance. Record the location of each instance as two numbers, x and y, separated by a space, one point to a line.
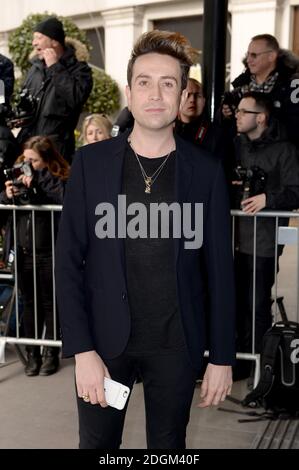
122 21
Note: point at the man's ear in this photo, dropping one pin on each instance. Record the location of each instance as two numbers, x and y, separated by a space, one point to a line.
128 95
54 43
262 119
273 55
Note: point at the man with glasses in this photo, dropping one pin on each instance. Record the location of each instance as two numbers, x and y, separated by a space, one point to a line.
270 162
269 70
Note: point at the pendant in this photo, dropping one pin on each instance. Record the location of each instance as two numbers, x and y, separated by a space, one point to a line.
148 182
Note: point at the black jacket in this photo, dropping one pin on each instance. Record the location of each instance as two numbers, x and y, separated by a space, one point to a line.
45 189
282 94
7 75
61 90
9 151
279 160
208 136
90 272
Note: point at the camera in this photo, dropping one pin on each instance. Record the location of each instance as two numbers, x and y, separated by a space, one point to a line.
232 98
13 174
252 182
24 112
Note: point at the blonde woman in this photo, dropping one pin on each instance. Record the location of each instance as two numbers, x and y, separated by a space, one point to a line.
96 127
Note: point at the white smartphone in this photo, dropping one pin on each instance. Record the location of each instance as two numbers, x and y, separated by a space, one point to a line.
116 394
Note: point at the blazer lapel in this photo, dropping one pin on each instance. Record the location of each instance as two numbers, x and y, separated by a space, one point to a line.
113 176
183 179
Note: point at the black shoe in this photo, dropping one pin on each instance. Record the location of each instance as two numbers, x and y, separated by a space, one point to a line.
33 364
50 361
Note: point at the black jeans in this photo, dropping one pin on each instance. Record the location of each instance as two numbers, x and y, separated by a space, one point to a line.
44 290
168 381
265 268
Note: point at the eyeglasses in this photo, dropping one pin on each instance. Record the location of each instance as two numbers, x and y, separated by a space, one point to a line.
254 55
243 111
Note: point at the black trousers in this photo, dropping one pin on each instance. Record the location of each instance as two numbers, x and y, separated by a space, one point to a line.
168 381
265 268
44 290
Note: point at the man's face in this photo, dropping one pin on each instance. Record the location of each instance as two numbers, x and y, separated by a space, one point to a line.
194 102
246 121
41 42
260 57
155 91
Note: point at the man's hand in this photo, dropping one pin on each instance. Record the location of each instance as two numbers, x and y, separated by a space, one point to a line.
254 204
226 111
50 56
216 384
90 372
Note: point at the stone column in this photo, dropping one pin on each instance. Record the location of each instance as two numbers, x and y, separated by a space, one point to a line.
122 28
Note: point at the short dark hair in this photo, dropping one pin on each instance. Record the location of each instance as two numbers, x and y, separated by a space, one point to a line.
163 42
270 40
261 100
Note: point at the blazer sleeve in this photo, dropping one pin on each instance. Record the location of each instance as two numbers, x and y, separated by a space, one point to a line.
217 246
71 249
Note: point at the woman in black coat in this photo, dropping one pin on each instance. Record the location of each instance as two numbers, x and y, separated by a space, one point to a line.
42 182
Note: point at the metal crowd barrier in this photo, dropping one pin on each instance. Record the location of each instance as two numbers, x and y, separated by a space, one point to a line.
283 235
14 301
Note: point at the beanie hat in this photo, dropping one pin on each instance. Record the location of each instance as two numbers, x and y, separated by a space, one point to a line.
52 28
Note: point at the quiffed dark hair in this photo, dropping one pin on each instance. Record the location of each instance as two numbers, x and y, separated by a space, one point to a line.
261 100
163 42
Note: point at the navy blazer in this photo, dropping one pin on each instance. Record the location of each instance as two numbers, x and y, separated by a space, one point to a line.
90 272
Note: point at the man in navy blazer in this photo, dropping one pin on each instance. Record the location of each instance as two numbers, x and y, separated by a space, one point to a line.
145 231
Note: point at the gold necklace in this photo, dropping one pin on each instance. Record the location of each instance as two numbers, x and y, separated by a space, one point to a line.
149 180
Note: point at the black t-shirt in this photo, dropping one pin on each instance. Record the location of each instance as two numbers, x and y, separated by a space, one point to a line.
150 264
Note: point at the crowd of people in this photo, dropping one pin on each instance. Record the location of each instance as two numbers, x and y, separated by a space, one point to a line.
254 139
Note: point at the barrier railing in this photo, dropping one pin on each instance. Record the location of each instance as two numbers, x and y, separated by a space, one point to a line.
283 236
290 236
14 276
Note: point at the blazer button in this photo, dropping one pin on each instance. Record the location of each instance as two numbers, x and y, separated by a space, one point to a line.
124 296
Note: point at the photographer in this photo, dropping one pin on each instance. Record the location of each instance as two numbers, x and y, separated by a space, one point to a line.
9 149
269 179
7 76
57 85
43 175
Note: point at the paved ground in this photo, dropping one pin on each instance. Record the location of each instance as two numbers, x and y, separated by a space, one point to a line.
40 412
